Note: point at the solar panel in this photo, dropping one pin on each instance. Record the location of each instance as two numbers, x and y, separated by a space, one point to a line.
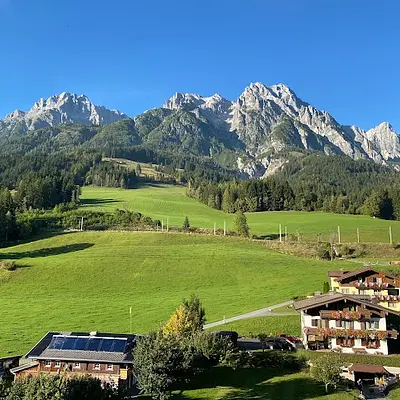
93 344
119 345
106 345
69 343
57 342
81 343
88 344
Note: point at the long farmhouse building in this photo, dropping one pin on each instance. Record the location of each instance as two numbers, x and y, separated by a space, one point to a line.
105 356
361 314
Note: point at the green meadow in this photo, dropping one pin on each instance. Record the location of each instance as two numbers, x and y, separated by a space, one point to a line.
87 281
170 202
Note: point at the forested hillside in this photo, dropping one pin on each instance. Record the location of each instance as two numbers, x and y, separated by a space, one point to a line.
313 182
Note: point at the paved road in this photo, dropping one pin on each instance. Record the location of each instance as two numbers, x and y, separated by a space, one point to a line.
264 312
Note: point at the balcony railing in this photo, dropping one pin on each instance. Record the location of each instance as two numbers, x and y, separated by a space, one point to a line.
346 315
371 285
352 333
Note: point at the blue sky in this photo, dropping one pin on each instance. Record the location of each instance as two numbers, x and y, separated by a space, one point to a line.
339 55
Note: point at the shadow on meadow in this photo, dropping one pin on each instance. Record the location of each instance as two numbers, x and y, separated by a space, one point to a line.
46 252
270 236
262 383
95 202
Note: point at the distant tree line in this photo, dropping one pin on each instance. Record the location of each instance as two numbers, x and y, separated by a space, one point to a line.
247 196
313 183
111 175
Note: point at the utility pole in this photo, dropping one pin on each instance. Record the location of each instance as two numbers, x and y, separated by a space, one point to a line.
338 234
390 235
280 233
358 235
224 228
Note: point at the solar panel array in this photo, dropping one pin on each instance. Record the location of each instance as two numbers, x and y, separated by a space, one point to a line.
87 344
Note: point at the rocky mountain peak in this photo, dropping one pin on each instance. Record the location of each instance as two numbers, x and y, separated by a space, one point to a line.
64 108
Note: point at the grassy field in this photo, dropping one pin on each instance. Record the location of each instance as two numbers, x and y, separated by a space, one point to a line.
289 324
87 281
162 201
263 383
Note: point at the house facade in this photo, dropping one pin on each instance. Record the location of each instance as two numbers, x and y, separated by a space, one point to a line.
105 356
382 289
349 324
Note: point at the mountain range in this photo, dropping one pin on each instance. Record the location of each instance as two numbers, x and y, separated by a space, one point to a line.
250 134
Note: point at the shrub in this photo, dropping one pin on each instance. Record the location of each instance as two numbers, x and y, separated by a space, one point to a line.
323 252
8 265
268 359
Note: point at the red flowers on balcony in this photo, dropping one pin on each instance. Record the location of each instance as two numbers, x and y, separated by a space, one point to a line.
348 333
371 285
349 315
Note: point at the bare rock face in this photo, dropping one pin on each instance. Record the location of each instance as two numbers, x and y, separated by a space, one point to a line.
215 108
65 108
270 119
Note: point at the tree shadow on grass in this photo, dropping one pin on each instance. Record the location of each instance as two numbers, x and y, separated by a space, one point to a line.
35 238
257 383
94 202
46 252
270 236
242 378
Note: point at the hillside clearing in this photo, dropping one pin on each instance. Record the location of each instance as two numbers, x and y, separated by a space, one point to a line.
167 201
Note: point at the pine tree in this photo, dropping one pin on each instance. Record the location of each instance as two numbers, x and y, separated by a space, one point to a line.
186 223
240 224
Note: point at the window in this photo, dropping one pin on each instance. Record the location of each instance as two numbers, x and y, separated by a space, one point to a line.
372 325
371 343
314 322
345 342
345 290
110 367
344 324
391 304
77 365
47 364
97 366
57 364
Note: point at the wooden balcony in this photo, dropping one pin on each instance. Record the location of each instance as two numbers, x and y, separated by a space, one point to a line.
351 333
359 315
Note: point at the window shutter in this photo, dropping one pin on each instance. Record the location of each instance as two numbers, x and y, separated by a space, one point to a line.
363 326
363 342
337 323
351 324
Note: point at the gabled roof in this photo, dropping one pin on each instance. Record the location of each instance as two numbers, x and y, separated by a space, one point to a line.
369 369
53 346
23 367
333 297
336 274
351 274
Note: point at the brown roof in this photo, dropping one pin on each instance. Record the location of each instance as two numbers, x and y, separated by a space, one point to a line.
333 297
355 273
317 300
336 274
368 369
